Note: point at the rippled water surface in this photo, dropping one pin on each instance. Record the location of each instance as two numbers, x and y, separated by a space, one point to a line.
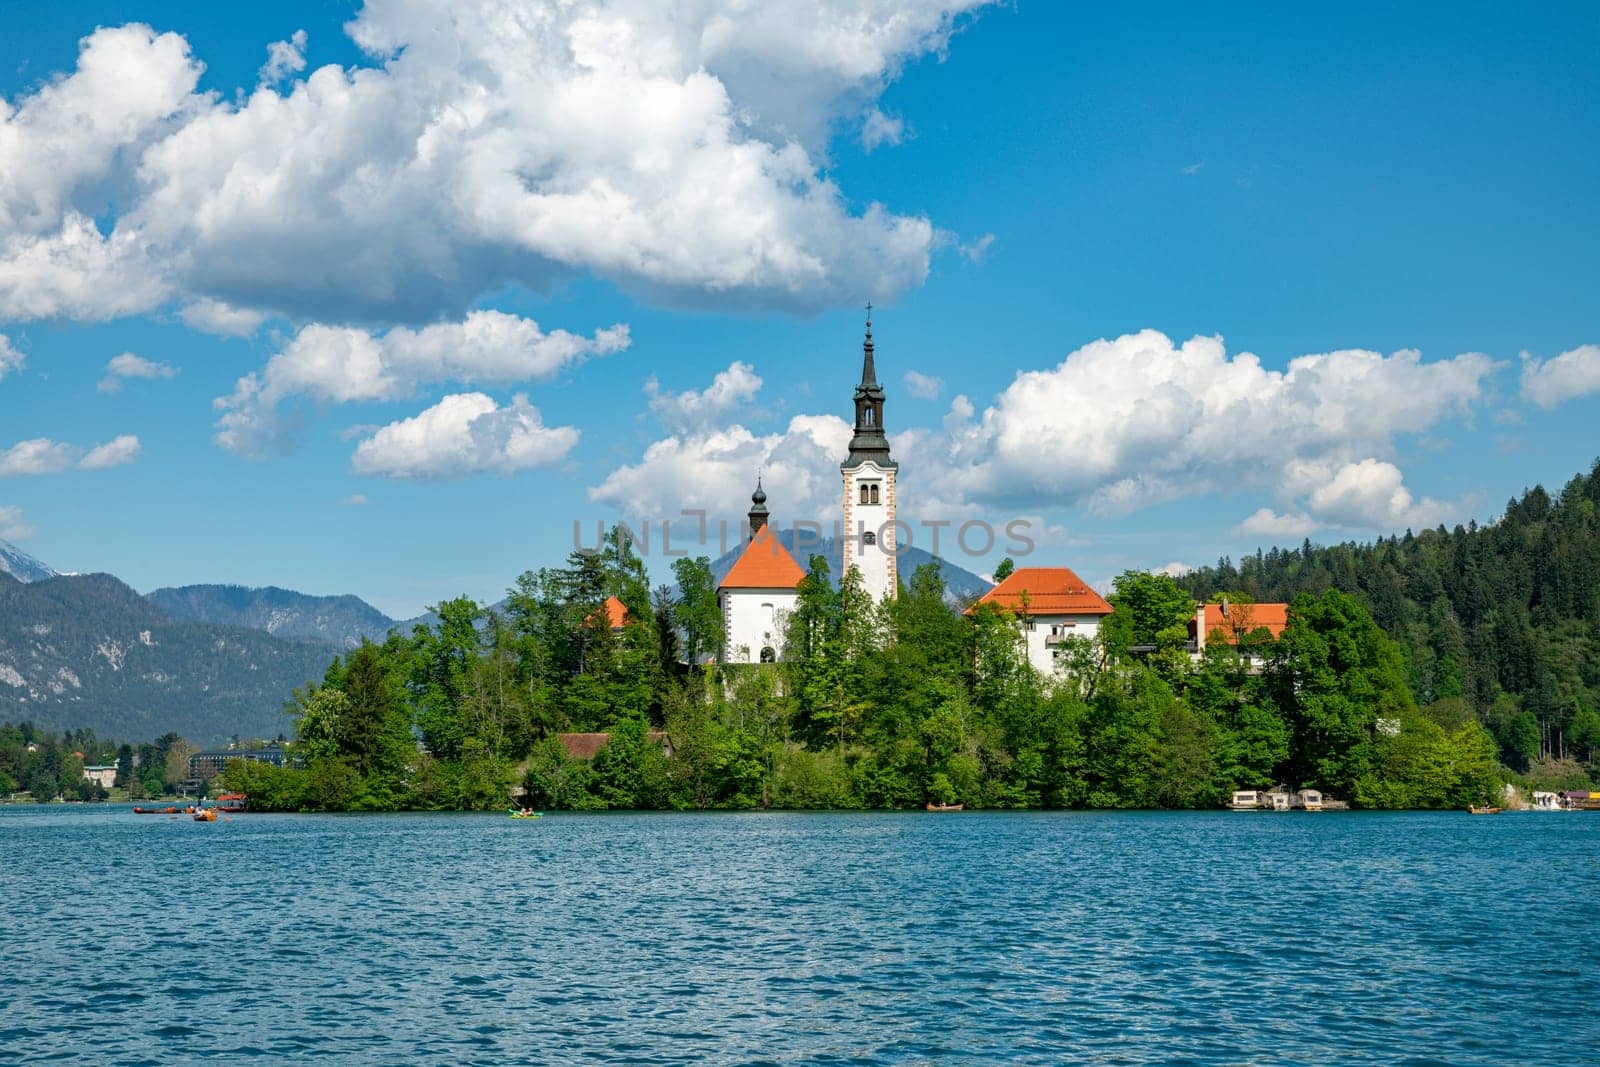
1051 938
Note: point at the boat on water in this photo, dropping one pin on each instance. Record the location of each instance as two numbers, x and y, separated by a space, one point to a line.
1486 810
1246 800
170 809
943 807
525 813
232 803
206 815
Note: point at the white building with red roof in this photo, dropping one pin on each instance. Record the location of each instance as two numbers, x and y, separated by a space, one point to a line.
1236 625
1051 605
759 593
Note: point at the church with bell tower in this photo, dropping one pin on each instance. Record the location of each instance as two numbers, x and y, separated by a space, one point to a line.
760 591
869 476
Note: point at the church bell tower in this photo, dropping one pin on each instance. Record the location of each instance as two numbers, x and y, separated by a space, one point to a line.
869 475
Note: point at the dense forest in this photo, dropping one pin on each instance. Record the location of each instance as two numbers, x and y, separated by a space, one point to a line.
1497 624
875 705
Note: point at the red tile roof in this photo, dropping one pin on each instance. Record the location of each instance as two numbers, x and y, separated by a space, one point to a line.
766 564
1244 618
583 746
1048 591
587 746
617 612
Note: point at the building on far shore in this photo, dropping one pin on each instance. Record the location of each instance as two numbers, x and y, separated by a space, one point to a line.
207 765
1052 605
103 775
588 745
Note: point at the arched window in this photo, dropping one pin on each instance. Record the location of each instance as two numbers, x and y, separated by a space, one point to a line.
768 655
868 537
874 492
869 416
865 499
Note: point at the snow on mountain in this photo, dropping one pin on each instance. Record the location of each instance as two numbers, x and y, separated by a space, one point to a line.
21 566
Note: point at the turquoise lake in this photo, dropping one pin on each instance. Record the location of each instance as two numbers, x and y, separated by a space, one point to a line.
1204 938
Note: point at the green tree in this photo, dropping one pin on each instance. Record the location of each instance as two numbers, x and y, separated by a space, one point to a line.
697 612
1336 675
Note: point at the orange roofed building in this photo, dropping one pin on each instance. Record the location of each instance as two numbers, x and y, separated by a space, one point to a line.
1052 604
1232 624
759 593
616 614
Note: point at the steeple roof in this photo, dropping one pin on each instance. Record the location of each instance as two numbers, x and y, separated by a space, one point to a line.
758 508
765 564
869 442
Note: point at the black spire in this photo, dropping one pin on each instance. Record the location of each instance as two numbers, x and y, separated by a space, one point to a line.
758 509
869 442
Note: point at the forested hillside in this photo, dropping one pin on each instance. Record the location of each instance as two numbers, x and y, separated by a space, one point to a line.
1499 623
86 651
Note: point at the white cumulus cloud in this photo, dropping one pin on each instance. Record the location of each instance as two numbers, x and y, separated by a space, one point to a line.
40 455
340 364
113 453
224 320
923 386
10 358
1118 425
129 365
715 471
701 408
465 433
14 526
284 58
677 151
1371 494
1571 374
1124 423
1264 522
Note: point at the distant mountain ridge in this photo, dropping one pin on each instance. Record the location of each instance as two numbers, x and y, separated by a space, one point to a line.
86 650
340 621
21 566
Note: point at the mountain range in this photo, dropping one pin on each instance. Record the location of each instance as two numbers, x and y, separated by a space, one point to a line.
207 661
87 651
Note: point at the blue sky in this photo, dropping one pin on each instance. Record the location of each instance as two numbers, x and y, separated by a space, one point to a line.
1009 184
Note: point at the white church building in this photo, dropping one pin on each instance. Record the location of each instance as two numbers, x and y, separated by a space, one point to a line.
758 594
1050 605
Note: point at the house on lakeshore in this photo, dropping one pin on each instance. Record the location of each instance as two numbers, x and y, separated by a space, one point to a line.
1051 605
103 775
759 593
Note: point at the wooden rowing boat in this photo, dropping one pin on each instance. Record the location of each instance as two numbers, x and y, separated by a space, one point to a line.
943 807
1473 810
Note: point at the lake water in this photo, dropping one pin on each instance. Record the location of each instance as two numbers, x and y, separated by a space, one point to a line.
1213 938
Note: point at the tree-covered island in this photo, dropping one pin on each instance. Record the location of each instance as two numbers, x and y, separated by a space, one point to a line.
894 704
